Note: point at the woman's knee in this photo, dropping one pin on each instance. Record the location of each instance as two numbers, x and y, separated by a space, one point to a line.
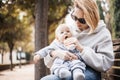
54 77
50 77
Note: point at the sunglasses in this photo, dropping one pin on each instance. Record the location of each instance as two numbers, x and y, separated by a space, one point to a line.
81 20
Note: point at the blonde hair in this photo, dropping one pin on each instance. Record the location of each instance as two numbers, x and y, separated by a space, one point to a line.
91 12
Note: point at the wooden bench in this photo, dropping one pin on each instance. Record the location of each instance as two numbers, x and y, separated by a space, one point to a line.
114 72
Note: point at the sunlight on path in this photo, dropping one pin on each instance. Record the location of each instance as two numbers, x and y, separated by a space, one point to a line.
26 72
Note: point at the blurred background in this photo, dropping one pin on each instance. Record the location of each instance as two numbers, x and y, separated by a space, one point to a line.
28 25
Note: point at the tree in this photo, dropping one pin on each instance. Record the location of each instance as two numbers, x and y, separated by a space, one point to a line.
6 35
41 36
2 51
100 9
117 17
12 29
56 12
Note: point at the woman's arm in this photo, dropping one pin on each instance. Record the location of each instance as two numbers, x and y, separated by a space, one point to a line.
101 57
100 60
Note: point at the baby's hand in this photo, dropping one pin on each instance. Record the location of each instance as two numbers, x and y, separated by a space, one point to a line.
71 47
74 41
71 56
36 58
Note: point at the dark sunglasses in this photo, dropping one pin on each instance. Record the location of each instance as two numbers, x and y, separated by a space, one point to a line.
81 20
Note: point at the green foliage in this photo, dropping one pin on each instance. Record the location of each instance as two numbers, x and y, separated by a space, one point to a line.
3 47
117 17
100 10
112 21
115 11
13 28
57 12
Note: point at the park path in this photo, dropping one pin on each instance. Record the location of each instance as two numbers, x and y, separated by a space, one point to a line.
26 72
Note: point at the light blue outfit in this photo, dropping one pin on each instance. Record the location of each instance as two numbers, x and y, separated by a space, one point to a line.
70 65
59 63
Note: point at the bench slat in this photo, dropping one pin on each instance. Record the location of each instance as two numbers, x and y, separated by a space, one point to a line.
116 67
117 59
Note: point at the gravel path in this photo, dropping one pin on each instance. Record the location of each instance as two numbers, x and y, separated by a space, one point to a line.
26 72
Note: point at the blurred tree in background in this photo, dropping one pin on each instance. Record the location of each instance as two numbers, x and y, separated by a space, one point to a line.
110 12
15 21
116 4
41 34
56 11
100 9
115 18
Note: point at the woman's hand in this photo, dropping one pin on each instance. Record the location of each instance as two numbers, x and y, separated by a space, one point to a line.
75 42
65 55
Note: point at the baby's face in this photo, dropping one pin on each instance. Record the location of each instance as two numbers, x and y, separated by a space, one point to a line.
63 33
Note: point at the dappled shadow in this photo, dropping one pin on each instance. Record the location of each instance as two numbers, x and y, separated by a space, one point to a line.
2 74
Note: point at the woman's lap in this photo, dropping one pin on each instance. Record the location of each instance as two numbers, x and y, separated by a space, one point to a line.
54 77
51 77
90 74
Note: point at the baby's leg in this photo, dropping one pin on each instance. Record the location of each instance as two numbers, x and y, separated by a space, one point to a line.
63 72
78 74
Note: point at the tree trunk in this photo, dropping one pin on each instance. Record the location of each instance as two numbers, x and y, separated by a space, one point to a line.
11 45
41 36
2 51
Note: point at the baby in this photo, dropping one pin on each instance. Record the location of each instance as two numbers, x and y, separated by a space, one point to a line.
62 68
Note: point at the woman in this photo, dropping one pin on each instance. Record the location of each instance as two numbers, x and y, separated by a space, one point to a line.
93 41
